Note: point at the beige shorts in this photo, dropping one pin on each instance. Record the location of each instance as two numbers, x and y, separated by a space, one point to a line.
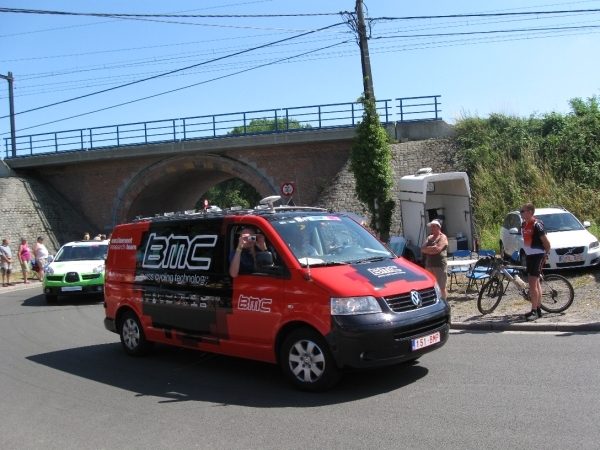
440 275
6 267
25 266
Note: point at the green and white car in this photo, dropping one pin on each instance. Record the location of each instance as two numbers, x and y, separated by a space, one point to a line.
78 268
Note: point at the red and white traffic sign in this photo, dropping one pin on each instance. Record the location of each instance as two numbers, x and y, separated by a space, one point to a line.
287 189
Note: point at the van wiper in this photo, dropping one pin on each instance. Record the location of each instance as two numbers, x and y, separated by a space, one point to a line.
330 263
371 259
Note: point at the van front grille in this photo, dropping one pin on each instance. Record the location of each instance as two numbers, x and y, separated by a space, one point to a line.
404 303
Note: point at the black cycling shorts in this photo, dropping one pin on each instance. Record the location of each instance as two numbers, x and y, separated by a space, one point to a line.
534 264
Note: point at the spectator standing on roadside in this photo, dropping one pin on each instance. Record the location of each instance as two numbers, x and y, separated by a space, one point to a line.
6 263
41 256
86 236
435 248
537 249
24 255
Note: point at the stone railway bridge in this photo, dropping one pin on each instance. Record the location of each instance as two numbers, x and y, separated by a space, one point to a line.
114 185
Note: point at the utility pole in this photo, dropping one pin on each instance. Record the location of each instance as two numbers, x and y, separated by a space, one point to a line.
11 101
364 52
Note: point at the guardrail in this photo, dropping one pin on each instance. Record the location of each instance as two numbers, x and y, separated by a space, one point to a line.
295 119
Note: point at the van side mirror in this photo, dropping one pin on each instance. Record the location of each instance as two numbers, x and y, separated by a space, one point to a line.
264 263
50 258
586 224
514 231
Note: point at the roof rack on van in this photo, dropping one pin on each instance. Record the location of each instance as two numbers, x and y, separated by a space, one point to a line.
265 207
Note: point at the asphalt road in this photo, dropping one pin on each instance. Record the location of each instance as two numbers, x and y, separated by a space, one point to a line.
65 383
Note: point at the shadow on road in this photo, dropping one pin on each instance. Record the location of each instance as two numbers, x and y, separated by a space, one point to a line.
174 374
73 300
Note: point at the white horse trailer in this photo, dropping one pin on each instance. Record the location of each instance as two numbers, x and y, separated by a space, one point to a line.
425 196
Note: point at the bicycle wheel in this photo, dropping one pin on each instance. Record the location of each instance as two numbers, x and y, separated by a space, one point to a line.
557 293
490 295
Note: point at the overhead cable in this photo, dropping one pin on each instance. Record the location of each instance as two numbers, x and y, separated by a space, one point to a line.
186 87
175 71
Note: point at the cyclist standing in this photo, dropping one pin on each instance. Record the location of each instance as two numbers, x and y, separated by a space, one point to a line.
537 249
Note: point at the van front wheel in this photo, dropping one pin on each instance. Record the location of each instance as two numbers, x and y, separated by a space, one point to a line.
307 362
132 335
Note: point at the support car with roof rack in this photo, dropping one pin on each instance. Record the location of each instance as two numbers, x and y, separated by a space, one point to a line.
351 303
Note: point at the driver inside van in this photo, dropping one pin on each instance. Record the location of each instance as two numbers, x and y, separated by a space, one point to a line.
297 240
242 258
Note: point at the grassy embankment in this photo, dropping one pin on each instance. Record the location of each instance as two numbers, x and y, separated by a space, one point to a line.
549 159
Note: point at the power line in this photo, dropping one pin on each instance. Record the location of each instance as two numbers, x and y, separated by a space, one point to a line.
465 33
453 16
175 71
185 87
119 15
108 21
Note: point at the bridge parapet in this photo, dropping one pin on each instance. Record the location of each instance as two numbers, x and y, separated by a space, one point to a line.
283 120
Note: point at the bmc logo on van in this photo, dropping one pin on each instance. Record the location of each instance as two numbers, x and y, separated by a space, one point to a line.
254 304
177 252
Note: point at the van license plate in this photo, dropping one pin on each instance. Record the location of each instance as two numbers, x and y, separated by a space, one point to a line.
425 341
70 288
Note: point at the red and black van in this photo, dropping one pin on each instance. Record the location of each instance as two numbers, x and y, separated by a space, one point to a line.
350 303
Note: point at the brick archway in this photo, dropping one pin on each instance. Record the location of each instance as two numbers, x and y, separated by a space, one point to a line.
175 184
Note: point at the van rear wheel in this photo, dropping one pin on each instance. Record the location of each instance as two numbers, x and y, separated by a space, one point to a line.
132 335
307 362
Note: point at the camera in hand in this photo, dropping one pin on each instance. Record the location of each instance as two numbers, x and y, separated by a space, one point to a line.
251 238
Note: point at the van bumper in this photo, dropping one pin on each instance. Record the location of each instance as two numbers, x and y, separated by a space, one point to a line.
377 340
109 324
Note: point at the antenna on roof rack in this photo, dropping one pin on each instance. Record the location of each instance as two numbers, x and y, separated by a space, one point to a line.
270 200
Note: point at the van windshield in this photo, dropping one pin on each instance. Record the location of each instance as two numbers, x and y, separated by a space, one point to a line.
328 240
560 222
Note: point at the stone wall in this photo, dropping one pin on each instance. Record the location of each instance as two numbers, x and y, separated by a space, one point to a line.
439 154
31 208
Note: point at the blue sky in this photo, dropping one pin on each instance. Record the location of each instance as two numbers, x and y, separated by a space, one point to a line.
54 58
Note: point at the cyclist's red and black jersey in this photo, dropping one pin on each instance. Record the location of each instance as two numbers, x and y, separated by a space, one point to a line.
532 232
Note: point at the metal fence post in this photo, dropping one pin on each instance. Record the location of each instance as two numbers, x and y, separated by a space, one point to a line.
30 145
55 143
91 142
245 123
352 114
386 112
145 133
276 124
184 134
174 131
215 128
81 138
401 113
118 142
287 119
436 109
319 116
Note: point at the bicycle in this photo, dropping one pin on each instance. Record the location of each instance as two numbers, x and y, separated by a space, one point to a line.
557 291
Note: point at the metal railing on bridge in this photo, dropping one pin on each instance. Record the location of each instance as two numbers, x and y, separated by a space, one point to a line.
296 119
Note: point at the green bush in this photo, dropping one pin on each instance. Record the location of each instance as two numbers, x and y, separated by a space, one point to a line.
550 159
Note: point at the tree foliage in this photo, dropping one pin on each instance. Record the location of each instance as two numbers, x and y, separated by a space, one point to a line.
370 162
232 192
264 125
549 159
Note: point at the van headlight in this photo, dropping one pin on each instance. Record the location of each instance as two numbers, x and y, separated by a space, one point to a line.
347 306
49 270
438 291
594 244
98 269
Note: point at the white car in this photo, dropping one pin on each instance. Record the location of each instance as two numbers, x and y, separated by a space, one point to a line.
571 244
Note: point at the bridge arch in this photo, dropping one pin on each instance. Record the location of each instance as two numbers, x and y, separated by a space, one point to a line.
183 179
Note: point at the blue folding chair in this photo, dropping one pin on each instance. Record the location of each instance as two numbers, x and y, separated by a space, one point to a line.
481 271
459 270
